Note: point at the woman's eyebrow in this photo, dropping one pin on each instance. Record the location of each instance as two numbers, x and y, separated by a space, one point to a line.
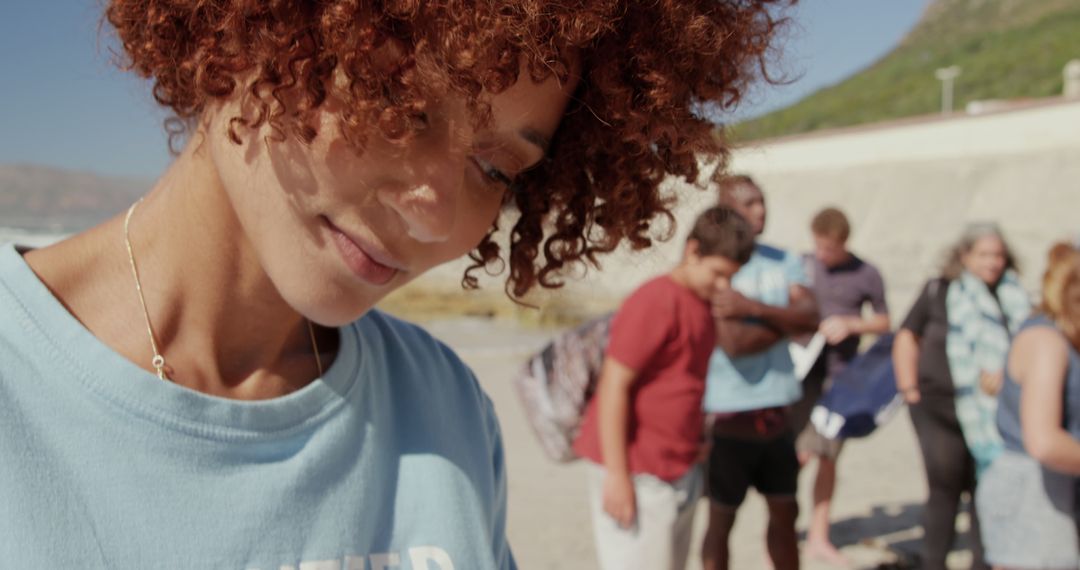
535 137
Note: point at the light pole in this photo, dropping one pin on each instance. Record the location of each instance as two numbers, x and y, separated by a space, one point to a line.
1072 79
947 75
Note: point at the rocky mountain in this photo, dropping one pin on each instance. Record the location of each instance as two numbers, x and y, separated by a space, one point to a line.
46 199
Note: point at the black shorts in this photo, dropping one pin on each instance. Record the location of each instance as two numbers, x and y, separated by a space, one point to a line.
769 465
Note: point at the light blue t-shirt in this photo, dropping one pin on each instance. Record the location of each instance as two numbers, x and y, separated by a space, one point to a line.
392 460
765 379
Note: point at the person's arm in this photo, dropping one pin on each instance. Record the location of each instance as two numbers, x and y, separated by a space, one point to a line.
905 355
645 324
905 352
837 328
1040 362
737 337
613 410
798 317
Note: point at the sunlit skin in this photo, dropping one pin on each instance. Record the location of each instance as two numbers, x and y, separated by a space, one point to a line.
238 244
830 250
749 202
704 275
986 259
1039 362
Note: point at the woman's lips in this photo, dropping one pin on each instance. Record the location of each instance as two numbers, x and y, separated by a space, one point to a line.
361 262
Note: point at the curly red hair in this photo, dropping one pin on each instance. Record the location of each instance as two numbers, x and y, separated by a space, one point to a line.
648 69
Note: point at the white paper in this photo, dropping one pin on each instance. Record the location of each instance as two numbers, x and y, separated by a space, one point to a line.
804 357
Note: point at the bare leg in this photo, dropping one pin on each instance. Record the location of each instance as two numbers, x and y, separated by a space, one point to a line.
804 458
818 544
781 539
715 554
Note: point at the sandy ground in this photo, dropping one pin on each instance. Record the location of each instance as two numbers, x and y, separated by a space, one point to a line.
876 510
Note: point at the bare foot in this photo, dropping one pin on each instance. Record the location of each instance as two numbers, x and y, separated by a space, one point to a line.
827 553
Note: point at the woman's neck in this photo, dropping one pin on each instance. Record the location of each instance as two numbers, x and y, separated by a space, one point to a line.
218 319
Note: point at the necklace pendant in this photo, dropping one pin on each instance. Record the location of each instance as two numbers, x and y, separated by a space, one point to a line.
159 364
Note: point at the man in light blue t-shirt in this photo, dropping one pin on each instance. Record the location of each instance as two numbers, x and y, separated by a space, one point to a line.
751 382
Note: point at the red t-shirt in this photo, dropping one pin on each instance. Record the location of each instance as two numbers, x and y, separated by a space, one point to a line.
667 334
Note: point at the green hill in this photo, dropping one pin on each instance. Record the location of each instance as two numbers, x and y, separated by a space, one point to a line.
1008 49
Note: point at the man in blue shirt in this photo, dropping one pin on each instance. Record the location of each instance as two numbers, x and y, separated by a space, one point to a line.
751 382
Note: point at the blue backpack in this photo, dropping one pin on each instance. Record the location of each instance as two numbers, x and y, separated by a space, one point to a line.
862 397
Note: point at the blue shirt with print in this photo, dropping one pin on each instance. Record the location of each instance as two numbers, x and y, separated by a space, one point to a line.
393 460
765 379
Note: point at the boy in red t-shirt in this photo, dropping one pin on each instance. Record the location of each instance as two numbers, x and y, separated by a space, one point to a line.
643 430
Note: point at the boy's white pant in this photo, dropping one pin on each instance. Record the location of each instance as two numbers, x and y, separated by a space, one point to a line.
660 537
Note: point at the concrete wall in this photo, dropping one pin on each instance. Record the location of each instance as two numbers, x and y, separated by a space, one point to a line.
908 188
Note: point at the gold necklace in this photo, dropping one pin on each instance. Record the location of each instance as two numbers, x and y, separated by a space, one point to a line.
158 362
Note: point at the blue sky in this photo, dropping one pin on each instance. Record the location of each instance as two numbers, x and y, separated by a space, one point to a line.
66 105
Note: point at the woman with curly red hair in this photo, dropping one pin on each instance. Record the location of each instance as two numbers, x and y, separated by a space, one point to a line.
202 382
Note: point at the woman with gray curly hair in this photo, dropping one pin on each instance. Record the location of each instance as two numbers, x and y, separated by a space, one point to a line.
948 356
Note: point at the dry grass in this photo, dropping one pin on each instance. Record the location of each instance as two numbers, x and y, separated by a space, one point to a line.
424 302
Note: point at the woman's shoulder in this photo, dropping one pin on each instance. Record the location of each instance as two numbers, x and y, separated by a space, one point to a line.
1040 335
1041 328
660 287
937 283
935 290
1038 319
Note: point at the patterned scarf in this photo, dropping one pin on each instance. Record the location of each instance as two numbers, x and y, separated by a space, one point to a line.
980 331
